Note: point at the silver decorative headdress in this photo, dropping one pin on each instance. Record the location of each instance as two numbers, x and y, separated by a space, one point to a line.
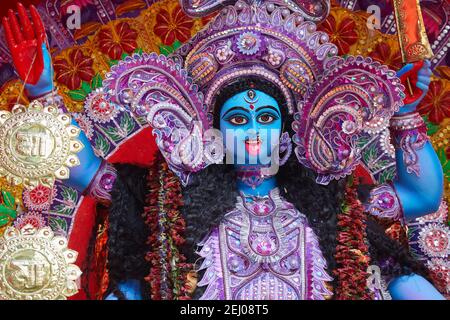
336 103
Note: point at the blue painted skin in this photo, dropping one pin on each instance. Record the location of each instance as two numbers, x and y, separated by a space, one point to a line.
82 175
427 188
419 195
243 120
45 82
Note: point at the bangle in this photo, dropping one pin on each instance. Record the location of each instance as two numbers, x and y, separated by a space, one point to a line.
52 99
103 182
407 121
409 134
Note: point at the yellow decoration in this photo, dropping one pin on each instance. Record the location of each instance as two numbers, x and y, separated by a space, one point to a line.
37 145
36 265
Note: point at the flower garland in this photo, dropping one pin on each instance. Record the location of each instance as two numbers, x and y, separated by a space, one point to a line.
352 252
168 270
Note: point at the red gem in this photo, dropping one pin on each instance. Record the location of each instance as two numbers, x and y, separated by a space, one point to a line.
252 107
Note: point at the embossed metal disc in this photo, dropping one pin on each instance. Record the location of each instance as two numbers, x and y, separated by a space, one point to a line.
36 265
37 145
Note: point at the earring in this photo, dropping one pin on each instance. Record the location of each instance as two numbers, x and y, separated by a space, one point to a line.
285 147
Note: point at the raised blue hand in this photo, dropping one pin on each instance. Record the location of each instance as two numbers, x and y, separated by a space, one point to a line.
423 82
419 194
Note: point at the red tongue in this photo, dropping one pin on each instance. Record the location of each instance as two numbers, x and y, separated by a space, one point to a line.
253 148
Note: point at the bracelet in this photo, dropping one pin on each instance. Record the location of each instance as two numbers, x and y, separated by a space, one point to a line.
52 99
101 186
407 121
409 134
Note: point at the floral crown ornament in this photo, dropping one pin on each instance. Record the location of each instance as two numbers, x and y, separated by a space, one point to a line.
272 40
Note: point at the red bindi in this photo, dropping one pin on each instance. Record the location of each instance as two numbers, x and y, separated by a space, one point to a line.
252 107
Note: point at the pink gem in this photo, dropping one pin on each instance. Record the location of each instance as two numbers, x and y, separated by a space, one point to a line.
264 247
386 200
261 209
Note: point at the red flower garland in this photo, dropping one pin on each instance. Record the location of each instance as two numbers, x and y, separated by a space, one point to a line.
352 257
168 268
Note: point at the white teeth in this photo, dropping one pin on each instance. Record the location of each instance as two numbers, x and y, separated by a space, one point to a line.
253 141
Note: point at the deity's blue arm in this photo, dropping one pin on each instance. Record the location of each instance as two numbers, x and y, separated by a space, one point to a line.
131 289
419 194
419 181
413 287
418 186
83 176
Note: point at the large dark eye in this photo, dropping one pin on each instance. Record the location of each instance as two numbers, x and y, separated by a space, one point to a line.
238 120
266 118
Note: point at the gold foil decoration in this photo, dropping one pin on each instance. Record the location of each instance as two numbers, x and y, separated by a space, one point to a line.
413 40
36 265
37 145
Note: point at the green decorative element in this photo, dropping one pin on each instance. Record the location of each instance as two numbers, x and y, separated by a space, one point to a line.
113 133
69 195
444 162
126 123
8 199
7 209
58 225
86 87
380 164
431 127
82 93
166 50
387 175
176 44
124 55
63 210
113 62
139 51
361 142
97 81
78 95
370 155
102 144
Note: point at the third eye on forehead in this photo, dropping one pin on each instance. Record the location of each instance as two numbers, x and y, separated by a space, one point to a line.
250 100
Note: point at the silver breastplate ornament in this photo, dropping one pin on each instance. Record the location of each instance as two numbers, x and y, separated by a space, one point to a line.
264 249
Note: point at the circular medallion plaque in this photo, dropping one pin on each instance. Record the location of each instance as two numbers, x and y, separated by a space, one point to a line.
37 145
36 265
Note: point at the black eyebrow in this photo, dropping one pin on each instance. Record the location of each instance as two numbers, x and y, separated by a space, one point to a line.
234 108
269 107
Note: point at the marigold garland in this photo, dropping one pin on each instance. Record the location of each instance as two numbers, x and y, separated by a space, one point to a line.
168 268
352 252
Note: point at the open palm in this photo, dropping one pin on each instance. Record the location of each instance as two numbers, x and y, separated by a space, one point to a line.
27 42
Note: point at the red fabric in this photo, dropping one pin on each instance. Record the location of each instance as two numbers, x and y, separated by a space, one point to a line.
139 150
364 175
81 232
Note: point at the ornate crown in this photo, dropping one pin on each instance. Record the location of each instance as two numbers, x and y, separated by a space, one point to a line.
336 102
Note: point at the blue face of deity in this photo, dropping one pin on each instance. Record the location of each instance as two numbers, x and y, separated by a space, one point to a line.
250 122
